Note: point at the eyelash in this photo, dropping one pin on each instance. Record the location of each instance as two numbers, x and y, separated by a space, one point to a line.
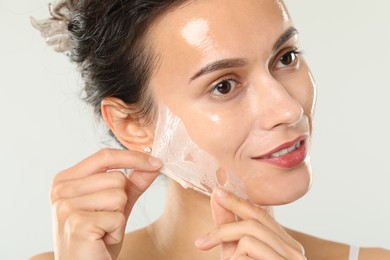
227 95
296 52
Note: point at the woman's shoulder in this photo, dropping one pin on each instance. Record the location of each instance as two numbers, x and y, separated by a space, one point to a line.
44 256
374 253
317 248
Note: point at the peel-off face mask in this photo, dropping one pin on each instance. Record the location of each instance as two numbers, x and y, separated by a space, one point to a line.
185 162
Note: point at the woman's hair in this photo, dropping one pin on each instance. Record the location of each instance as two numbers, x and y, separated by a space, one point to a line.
106 38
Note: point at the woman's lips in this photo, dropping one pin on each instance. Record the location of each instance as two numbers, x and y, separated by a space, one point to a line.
287 155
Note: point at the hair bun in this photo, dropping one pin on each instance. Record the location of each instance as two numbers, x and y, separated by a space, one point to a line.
55 28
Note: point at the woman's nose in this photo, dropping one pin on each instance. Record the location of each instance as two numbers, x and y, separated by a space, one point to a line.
276 106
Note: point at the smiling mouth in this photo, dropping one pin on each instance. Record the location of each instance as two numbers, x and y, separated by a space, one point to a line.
288 155
284 151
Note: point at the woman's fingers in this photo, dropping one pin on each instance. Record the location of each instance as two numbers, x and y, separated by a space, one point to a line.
89 234
92 201
237 230
245 210
138 183
108 159
80 187
140 180
90 175
88 184
92 226
114 200
244 257
253 248
253 238
221 217
121 197
255 235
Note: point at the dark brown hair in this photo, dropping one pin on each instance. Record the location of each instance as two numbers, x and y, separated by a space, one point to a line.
106 38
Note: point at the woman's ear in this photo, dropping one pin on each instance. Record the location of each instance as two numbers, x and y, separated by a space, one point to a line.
127 128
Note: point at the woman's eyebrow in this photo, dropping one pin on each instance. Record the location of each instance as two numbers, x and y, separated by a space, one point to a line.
287 35
219 65
234 63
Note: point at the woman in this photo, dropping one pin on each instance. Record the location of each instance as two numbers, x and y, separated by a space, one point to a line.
230 70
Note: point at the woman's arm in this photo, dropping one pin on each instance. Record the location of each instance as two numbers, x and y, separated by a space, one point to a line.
317 248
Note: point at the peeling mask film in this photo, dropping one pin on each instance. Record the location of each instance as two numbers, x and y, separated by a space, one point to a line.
185 162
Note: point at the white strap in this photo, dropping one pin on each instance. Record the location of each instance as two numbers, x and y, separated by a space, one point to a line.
353 252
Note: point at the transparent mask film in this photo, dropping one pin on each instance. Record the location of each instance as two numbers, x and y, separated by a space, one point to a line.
185 162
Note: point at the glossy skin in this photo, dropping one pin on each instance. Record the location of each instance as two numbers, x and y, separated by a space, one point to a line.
271 95
271 103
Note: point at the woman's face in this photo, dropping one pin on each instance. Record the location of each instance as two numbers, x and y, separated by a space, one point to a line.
231 71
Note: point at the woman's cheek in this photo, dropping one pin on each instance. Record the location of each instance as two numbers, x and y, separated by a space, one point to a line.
216 134
302 88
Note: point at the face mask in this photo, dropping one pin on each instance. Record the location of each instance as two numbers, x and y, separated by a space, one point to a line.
185 162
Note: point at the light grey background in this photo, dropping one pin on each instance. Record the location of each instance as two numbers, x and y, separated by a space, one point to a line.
45 128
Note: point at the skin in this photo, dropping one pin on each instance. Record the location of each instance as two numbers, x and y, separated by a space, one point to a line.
272 100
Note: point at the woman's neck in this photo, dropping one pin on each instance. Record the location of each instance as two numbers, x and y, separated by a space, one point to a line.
187 216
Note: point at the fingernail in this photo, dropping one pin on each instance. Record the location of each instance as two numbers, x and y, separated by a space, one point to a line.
200 241
155 162
221 193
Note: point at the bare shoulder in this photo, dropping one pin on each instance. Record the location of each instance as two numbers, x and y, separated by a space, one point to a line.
317 248
374 253
44 256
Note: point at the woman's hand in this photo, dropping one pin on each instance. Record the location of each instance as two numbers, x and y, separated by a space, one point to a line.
92 201
256 235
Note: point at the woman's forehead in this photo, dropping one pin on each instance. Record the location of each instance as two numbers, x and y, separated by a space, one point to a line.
205 30
199 23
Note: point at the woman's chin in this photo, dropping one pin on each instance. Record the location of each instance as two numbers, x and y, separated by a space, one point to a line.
282 188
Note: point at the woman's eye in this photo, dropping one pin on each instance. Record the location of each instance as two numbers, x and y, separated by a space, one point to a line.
224 87
287 59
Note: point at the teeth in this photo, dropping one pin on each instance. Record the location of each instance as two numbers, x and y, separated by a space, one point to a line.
292 148
286 150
